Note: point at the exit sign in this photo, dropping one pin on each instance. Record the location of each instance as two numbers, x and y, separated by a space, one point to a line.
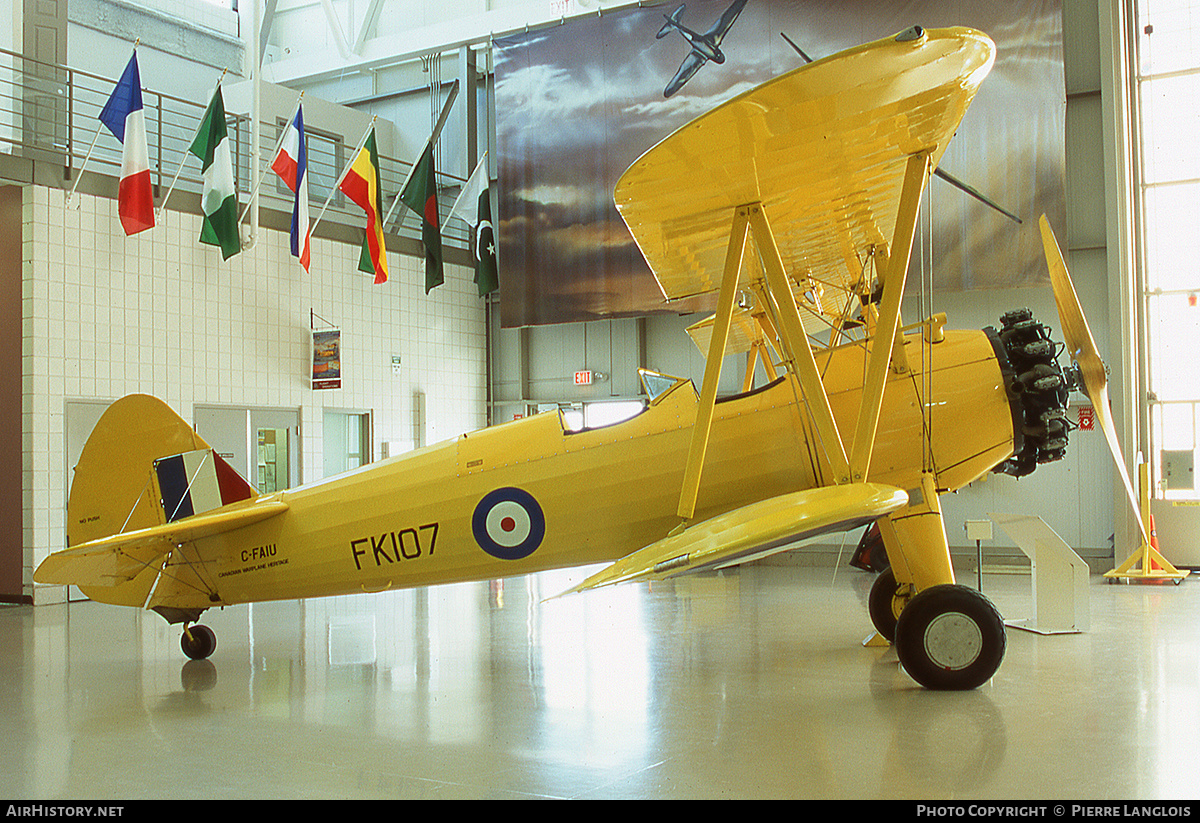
583 378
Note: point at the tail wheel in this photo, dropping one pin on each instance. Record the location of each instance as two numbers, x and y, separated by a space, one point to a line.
950 637
887 600
198 642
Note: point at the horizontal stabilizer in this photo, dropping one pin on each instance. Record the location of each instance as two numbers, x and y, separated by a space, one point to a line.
109 561
672 21
752 532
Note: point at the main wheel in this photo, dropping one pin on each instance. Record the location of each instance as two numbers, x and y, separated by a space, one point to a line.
886 601
950 637
198 642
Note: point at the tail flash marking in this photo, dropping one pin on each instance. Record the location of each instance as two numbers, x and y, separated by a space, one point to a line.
196 482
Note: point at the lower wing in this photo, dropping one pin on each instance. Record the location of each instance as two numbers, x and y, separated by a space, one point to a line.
753 532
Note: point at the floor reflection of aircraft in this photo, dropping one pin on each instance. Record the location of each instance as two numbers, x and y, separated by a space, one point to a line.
705 46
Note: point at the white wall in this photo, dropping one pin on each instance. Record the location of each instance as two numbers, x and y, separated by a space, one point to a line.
160 313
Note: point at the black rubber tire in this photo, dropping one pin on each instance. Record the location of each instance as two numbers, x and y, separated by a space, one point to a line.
198 642
950 637
886 602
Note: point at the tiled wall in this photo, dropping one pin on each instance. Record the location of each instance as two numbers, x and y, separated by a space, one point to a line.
160 313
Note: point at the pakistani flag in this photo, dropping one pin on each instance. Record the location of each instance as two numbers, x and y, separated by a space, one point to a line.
219 200
485 248
473 207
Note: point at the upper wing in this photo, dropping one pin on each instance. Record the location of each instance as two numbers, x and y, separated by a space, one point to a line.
753 531
722 26
823 148
691 64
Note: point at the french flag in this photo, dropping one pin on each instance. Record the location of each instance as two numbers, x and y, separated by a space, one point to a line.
124 117
291 164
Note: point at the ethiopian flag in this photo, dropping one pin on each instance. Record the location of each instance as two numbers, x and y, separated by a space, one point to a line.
219 199
420 195
361 184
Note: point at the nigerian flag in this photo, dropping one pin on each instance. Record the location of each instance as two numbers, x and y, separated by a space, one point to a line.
219 200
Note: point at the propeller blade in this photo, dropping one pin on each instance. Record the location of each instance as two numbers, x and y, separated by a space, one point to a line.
1082 348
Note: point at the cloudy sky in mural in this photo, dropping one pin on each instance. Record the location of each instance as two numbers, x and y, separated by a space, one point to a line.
578 103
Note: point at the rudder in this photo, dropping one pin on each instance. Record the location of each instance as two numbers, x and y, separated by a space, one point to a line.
110 489
118 484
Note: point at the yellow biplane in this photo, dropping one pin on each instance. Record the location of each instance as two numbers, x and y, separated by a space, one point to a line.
796 203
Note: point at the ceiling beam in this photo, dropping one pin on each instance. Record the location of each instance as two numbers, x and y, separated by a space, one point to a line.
398 46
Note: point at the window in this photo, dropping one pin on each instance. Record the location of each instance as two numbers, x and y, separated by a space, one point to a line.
1168 87
326 154
597 415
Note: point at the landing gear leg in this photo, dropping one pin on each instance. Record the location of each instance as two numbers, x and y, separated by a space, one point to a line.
885 603
946 636
198 642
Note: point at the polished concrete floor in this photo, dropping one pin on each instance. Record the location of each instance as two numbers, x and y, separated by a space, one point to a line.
753 684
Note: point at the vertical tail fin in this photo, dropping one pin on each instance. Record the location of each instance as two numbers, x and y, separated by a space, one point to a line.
142 466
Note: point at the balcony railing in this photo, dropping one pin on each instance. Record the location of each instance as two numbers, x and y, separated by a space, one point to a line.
50 114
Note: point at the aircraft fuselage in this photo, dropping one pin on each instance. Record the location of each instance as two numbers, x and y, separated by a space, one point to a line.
700 44
527 496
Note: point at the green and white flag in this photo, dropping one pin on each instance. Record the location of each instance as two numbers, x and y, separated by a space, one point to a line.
473 207
219 200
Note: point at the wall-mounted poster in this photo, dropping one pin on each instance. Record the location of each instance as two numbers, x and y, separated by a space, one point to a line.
577 104
327 359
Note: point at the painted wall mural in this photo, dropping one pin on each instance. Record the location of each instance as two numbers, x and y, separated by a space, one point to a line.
578 103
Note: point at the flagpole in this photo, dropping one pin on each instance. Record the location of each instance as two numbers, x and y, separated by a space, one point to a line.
79 176
255 132
437 131
353 156
162 208
92 147
274 153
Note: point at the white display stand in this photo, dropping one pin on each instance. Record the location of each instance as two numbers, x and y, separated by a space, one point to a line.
1060 577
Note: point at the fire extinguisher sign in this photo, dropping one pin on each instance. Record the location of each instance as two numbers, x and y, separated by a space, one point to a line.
1087 418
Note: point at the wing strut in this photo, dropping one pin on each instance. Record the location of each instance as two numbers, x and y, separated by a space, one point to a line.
712 366
883 340
751 218
795 343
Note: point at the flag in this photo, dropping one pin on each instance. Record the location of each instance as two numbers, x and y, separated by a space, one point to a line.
466 203
219 199
420 195
291 164
361 184
486 277
123 116
473 207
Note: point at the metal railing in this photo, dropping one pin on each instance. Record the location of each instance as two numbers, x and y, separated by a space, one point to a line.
50 114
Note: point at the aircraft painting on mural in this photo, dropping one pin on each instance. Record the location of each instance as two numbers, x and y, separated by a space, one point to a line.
704 47
862 418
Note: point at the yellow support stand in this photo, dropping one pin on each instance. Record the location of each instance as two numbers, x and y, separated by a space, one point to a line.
1146 563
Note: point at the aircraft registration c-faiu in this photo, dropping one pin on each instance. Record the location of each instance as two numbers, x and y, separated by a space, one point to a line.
796 202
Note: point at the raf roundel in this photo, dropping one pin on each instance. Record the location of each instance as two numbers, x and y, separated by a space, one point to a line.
508 524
